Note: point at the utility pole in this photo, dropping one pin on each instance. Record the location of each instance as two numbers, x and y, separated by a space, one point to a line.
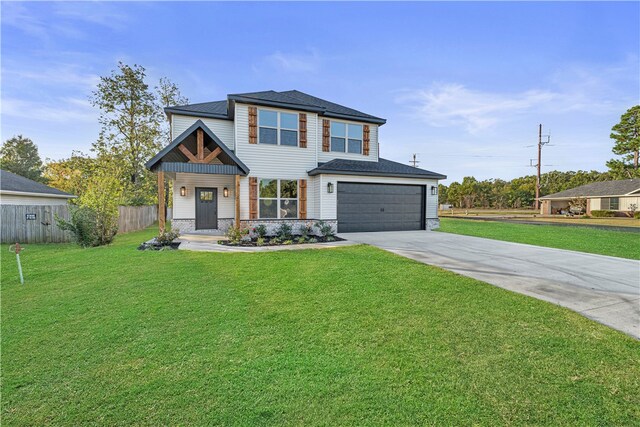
539 164
415 160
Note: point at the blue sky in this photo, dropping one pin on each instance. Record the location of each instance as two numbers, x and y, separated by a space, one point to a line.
462 84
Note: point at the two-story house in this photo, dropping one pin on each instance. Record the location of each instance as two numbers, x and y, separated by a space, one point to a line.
268 157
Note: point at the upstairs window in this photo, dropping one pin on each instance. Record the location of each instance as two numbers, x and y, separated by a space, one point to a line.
278 198
346 138
277 128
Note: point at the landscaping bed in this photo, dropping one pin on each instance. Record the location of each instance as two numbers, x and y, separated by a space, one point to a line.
283 234
275 241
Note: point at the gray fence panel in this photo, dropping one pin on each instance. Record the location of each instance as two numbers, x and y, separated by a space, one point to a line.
15 227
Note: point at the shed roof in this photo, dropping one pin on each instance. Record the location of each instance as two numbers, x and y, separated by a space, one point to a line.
599 189
382 167
10 182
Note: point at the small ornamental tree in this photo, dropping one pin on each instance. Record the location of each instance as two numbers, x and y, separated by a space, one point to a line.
95 222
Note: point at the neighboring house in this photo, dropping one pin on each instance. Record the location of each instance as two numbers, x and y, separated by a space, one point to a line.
268 157
18 190
618 196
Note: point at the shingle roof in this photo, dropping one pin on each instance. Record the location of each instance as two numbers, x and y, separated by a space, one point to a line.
12 182
217 109
595 189
287 99
382 167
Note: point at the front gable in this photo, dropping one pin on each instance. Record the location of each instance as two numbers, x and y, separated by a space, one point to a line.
198 150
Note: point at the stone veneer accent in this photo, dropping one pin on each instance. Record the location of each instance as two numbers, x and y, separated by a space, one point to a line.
432 224
273 225
189 225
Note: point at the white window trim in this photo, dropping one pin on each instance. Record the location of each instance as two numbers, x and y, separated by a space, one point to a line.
346 137
278 127
278 198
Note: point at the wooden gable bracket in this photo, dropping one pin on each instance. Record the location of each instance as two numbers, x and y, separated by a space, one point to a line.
199 157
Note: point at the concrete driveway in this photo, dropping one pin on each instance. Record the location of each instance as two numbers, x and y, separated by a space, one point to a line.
602 288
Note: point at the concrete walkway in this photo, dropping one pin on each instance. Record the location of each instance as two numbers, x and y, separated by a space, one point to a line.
602 288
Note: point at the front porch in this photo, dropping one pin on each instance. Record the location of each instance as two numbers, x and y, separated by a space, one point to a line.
206 182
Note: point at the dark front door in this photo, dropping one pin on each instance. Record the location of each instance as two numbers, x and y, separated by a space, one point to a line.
380 207
206 208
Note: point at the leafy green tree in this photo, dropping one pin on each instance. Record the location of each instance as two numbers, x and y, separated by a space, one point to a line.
168 95
70 175
443 195
130 129
20 155
626 136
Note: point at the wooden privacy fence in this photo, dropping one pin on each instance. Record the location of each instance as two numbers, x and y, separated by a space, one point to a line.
32 224
37 224
134 218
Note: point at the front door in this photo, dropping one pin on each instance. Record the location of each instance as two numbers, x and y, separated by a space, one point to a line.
206 208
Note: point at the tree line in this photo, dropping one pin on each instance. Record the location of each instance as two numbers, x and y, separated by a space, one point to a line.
516 193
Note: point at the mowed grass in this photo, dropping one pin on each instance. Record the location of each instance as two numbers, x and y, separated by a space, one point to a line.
583 239
348 336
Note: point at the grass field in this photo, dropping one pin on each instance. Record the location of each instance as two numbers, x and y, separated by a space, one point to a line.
349 336
583 239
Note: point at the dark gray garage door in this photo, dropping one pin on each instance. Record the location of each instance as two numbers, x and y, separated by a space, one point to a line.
380 207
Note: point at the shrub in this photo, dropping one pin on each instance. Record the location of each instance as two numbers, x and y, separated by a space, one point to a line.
301 239
260 230
166 238
284 231
288 242
326 230
636 215
603 214
260 241
236 234
313 240
306 230
275 241
83 225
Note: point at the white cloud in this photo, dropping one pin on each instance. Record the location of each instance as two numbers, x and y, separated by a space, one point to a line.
573 89
61 110
309 62
454 104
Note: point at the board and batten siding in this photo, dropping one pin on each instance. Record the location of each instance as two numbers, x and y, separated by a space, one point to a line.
184 207
324 156
223 129
274 161
329 208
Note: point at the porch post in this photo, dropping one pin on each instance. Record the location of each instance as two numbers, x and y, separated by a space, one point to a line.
237 194
161 210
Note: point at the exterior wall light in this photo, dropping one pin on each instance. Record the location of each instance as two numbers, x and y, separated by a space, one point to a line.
434 190
330 187
183 191
225 192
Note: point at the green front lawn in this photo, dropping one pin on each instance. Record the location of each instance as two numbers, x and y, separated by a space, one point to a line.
348 336
621 244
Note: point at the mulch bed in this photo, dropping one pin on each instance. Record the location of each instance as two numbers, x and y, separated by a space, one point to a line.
268 241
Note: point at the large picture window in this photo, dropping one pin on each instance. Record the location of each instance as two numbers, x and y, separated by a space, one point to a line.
610 203
278 198
346 137
277 128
